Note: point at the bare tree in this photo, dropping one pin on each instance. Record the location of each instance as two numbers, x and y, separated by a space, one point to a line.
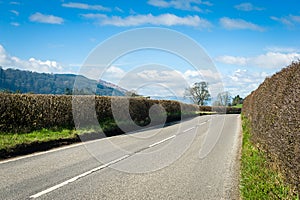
199 93
223 99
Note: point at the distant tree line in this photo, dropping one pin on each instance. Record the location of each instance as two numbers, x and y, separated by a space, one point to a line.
199 94
18 81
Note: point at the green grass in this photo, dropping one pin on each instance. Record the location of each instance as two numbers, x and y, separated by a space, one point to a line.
11 140
258 180
238 106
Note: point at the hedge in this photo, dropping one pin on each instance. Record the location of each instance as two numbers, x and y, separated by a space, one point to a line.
28 112
274 113
221 109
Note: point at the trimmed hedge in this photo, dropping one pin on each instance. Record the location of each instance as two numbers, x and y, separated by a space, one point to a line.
274 113
221 109
28 112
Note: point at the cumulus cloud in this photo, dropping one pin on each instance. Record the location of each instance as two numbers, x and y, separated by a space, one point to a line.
232 60
158 80
247 7
270 60
242 82
190 5
47 19
289 21
113 73
85 6
138 20
235 24
33 64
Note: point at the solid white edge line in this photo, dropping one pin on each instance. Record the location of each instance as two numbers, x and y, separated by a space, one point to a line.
52 150
48 151
76 178
157 143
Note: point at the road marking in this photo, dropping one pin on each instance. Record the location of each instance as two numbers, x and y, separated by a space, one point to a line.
157 143
49 151
54 150
188 129
202 123
77 177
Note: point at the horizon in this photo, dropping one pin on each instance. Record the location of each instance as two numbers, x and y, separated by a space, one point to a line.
247 41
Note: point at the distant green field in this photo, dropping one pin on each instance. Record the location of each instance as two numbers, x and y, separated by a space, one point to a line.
238 106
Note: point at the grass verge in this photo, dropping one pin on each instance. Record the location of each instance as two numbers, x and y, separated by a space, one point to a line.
258 180
14 144
11 140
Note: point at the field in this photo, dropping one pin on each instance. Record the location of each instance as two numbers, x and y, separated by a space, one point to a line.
238 106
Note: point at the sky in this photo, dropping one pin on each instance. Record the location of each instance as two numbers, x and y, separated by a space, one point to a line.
245 40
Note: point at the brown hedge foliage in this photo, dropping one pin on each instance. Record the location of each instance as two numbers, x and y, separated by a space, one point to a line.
221 109
274 112
28 112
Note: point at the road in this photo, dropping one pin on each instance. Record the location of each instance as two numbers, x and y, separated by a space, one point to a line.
194 159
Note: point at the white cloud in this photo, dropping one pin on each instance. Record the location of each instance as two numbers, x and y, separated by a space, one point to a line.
14 3
15 12
295 18
159 81
14 24
190 5
193 76
242 82
47 66
289 21
270 60
119 10
114 73
47 19
283 20
275 59
155 82
233 24
247 7
282 49
232 60
85 6
138 20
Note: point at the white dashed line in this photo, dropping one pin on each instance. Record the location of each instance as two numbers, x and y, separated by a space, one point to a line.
188 129
50 151
76 178
93 170
202 123
157 143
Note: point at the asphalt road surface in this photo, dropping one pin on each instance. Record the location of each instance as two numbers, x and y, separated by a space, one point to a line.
195 159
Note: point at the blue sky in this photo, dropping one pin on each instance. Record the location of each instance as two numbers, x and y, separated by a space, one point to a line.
247 40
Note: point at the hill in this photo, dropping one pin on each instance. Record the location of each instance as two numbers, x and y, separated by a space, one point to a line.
15 80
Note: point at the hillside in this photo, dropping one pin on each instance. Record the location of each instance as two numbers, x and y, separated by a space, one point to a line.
15 80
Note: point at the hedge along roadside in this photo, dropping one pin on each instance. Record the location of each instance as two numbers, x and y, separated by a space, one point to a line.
23 113
274 113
